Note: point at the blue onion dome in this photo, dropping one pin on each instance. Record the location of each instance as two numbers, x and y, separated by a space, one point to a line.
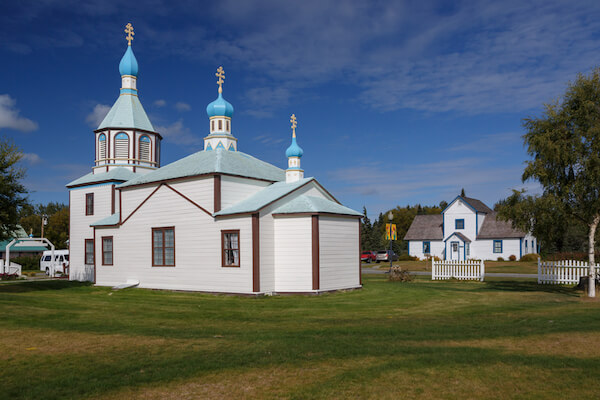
128 64
219 108
294 150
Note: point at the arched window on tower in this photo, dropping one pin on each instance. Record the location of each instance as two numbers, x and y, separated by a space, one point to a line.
122 145
220 125
212 125
102 146
145 148
227 125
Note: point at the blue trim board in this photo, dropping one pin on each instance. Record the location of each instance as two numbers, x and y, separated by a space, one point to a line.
96 184
408 247
521 247
476 225
494 246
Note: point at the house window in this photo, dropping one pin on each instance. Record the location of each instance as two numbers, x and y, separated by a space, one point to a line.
497 246
426 247
102 147
455 247
459 224
526 245
163 247
467 249
230 248
107 250
122 145
89 204
89 251
145 148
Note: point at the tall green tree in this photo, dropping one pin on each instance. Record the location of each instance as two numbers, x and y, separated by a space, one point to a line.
564 144
12 192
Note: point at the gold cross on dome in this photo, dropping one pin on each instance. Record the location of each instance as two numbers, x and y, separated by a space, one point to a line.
129 32
294 124
221 75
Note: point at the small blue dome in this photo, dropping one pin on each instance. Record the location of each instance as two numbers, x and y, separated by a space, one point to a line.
128 64
294 150
219 108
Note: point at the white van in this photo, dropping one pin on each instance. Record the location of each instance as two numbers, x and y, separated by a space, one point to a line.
61 261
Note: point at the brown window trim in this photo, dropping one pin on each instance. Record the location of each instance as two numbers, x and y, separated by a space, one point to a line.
85 253
163 229
112 253
237 231
87 210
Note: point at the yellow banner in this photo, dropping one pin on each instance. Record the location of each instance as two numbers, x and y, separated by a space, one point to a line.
390 232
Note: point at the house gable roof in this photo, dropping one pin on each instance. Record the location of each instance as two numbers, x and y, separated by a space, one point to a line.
493 228
312 204
117 175
474 204
460 236
426 227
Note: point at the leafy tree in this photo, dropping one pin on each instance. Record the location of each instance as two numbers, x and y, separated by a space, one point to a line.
12 191
565 148
57 230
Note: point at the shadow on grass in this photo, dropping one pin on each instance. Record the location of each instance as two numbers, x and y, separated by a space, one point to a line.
530 286
34 286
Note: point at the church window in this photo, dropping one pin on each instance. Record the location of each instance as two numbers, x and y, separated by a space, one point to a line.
227 124
230 248
163 247
212 125
220 125
89 251
102 147
122 145
107 250
145 148
89 204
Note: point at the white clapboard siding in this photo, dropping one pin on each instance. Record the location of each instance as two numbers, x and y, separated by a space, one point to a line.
131 198
460 210
563 272
200 190
339 252
470 269
267 252
293 254
197 249
234 189
80 229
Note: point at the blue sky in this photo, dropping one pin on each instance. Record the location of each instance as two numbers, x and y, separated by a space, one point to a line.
397 102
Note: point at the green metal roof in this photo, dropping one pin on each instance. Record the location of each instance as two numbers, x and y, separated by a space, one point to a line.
127 112
213 161
312 204
264 197
117 174
110 220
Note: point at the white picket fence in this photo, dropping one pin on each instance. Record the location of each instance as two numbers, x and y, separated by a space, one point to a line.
10 269
563 272
471 269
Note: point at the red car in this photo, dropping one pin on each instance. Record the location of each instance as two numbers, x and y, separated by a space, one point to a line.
368 256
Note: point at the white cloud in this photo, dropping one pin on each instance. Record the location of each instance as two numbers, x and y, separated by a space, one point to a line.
181 106
97 115
31 158
179 134
159 103
10 118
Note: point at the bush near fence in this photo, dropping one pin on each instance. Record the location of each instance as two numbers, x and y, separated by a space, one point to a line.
28 263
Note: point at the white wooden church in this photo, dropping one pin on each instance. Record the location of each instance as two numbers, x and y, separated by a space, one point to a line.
218 220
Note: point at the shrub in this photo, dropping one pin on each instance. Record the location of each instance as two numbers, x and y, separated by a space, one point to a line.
512 257
530 257
579 256
500 259
406 257
28 263
399 275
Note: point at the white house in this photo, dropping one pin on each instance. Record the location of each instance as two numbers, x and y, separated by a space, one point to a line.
218 220
467 229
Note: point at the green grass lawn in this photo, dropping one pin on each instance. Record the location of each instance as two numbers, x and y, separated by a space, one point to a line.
517 267
425 339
